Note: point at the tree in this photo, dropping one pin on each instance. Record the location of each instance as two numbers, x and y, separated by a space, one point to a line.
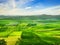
3 42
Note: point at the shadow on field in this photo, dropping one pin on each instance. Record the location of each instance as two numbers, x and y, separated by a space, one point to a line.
30 38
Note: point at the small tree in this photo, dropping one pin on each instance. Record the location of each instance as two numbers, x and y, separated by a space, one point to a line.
3 42
31 24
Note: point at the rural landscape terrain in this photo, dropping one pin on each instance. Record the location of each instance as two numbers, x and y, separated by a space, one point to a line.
30 30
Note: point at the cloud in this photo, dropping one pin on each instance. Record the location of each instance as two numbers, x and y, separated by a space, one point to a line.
9 8
23 3
28 7
14 3
50 11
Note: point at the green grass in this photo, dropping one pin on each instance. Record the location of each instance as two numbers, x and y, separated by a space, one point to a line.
33 33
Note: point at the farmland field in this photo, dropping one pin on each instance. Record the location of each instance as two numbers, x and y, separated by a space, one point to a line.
30 31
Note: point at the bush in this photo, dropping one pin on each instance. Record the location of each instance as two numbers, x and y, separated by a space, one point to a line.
31 25
3 42
2 29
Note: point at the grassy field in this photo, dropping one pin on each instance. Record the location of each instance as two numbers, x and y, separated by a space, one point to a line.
30 32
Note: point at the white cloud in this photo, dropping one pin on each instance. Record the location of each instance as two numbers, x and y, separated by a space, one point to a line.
52 10
22 2
12 3
28 7
6 10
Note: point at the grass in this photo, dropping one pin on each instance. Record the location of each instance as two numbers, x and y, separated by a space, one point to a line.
28 33
13 37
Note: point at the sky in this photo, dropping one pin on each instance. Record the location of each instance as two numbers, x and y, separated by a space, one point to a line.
29 7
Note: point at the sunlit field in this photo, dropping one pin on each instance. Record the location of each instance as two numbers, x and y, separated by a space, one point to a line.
29 32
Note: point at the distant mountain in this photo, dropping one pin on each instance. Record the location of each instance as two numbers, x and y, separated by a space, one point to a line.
36 17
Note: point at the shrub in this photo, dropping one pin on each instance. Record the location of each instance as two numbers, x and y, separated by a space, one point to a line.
2 42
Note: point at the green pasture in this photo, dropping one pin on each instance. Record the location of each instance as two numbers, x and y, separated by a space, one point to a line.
30 33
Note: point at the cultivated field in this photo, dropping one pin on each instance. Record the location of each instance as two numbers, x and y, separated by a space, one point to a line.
29 32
